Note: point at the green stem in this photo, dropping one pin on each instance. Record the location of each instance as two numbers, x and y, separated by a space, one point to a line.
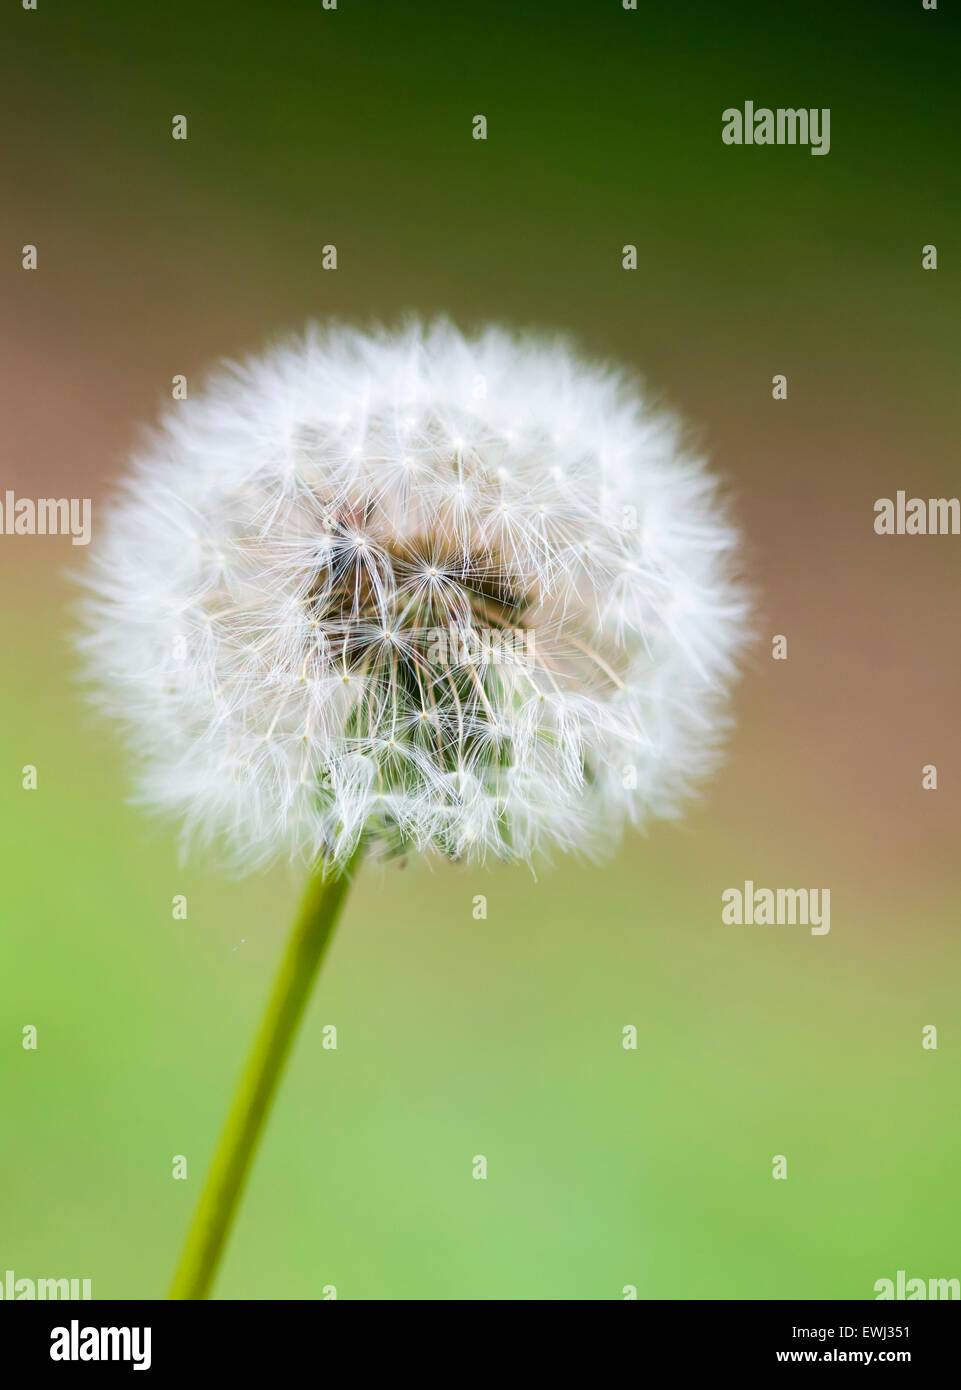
218 1202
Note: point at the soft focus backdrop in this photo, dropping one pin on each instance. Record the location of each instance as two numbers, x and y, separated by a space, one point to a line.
503 1037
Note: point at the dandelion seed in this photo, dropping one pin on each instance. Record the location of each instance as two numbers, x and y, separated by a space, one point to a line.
642 625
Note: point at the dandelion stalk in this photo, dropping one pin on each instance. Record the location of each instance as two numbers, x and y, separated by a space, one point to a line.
218 1203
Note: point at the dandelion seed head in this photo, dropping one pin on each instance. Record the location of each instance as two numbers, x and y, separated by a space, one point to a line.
338 595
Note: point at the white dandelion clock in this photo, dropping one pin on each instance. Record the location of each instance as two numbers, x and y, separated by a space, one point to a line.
412 591
441 592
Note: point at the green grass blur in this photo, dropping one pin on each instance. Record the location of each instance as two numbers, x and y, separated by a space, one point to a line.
503 1037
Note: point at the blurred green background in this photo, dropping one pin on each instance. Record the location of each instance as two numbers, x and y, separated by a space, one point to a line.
503 1037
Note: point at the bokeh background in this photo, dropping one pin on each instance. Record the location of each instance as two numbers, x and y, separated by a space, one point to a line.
503 1037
